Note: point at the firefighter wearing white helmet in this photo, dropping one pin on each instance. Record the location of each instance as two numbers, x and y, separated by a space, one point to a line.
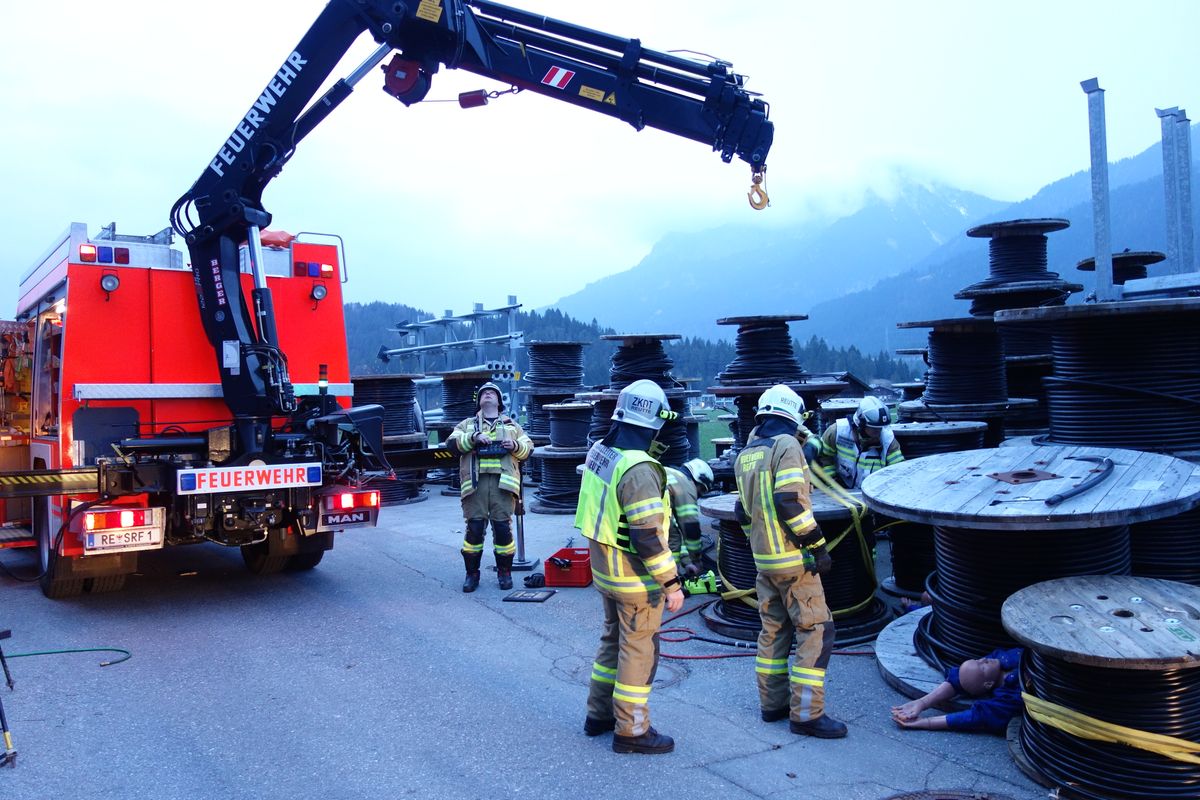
775 509
624 511
853 448
490 446
686 484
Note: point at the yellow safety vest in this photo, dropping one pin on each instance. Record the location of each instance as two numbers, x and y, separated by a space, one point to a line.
599 515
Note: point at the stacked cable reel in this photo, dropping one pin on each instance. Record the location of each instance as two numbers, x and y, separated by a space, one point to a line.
555 375
402 431
765 356
967 379
1127 374
1018 278
1111 685
849 587
1007 518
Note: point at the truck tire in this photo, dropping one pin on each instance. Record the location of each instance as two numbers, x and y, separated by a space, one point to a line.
261 561
105 583
53 585
304 561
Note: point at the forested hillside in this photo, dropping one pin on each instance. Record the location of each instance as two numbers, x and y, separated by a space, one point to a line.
367 329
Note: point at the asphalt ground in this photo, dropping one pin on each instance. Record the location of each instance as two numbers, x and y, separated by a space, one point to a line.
374 676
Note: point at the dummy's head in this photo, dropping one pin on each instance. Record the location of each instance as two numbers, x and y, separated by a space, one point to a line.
978 676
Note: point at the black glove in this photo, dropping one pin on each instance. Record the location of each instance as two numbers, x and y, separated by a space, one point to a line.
822 563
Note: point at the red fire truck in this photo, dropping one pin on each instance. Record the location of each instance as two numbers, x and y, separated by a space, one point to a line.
138 437
106 376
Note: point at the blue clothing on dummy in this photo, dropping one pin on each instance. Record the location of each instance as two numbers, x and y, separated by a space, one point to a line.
991 712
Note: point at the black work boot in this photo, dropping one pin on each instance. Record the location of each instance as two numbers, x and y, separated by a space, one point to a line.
471 561
650 742
504 571
595 727
823 727
774 714
502 537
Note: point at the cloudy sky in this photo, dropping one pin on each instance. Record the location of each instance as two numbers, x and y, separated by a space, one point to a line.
111 111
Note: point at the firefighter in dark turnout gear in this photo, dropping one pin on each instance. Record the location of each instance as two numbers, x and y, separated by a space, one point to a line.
624 511
491 446
775 510
686 484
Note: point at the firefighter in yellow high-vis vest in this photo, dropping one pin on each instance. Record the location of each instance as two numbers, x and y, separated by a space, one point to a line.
775 509
624 511
491 446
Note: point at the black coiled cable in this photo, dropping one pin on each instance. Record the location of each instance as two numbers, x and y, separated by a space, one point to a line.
1168 548
396 394
559 489
848 586
555 364
674 435
735 562
764 352
537 416
978 569
602 411
641 359
1017 258
965 367
913 557
458 398
1110 370
1165 702
569 423
745 405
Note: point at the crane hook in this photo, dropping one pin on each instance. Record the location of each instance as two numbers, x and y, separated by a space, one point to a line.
757 194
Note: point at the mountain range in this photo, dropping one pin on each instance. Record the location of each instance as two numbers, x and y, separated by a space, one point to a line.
898 258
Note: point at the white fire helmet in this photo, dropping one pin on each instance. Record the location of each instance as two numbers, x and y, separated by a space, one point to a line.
643 403
781 401
701 473
872 413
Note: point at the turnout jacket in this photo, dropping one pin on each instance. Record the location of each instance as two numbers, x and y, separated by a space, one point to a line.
624 510
841 456
471 464
773 492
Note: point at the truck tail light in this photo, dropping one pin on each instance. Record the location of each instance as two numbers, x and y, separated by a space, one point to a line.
348 501
87 253
112 518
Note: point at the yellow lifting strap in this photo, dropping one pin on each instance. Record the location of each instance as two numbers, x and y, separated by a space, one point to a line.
758 194
1085 727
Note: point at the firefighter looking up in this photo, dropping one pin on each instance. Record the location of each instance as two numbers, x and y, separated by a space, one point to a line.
491 446
853 448
775 510
686 485
625 510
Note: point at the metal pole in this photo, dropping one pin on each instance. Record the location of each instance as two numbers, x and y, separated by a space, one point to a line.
1105 289
1166 118
1183 171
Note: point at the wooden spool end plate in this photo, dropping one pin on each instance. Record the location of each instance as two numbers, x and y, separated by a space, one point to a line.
954 325
1124 308
957 490
750 320
824 507
633 338
924 430
1115 621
